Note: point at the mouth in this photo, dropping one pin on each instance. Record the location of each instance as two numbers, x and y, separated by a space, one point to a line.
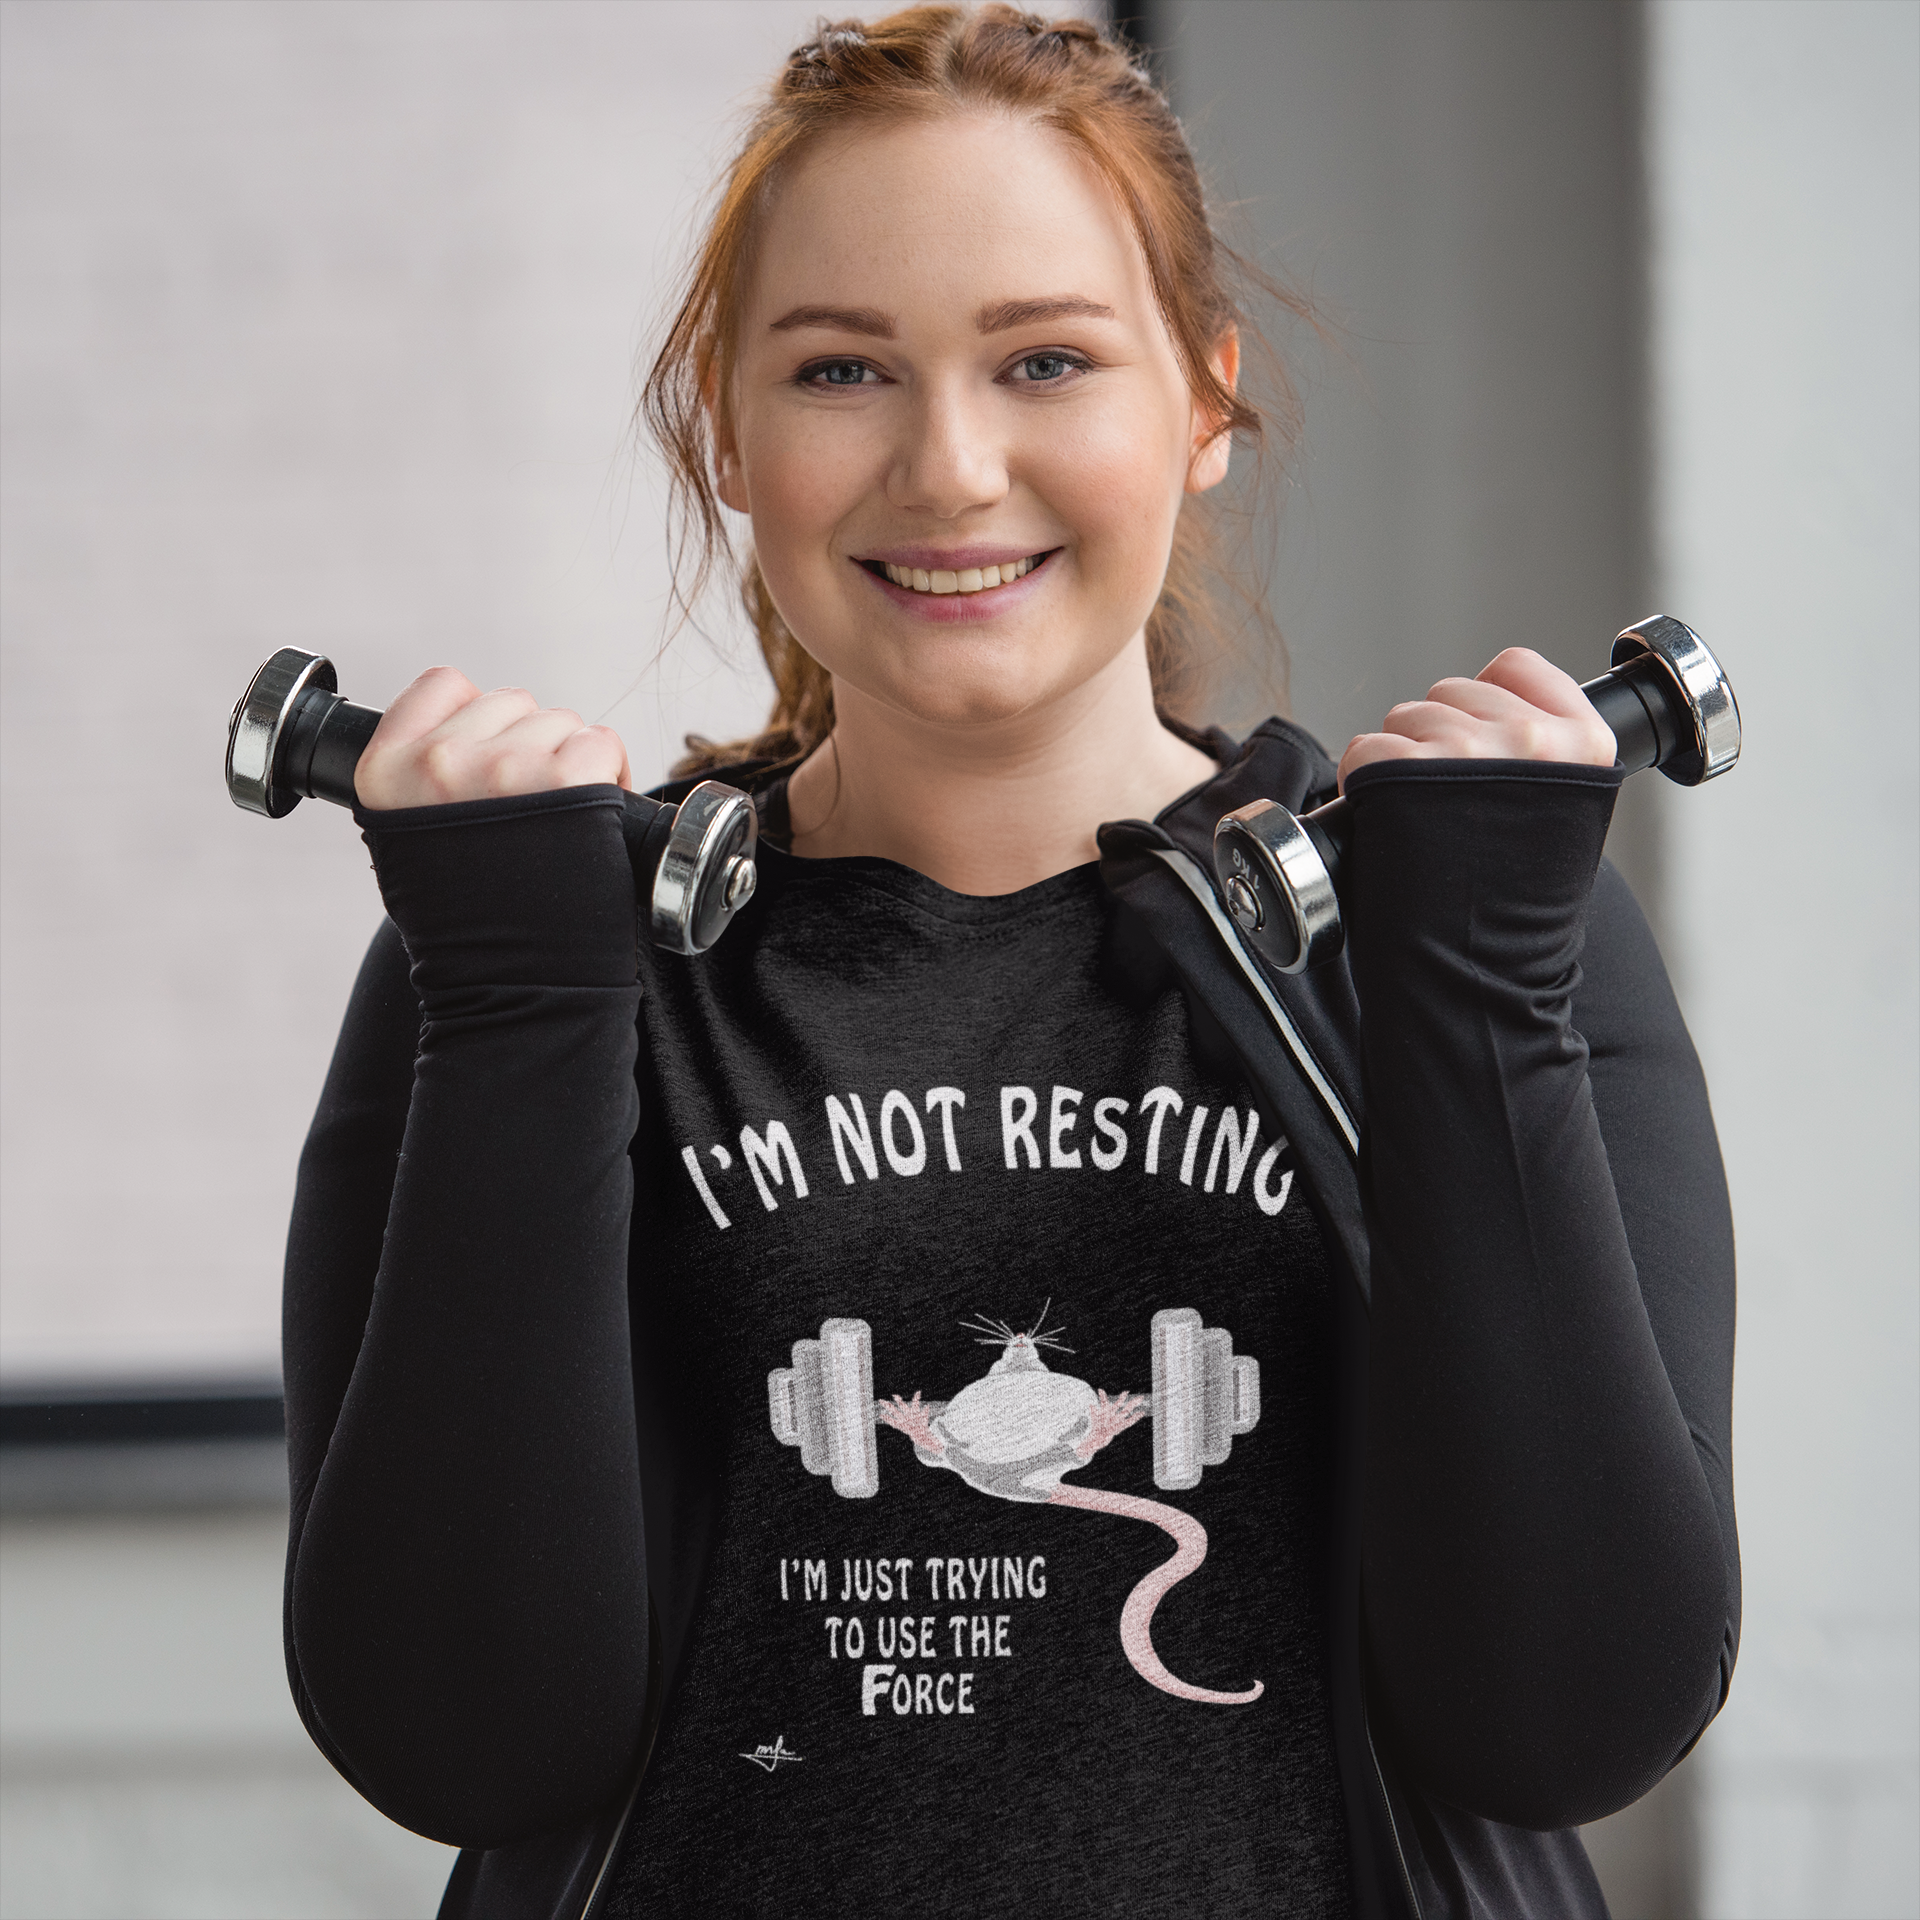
962 580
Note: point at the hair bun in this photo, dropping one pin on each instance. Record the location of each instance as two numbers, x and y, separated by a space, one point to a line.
815 63
1062 31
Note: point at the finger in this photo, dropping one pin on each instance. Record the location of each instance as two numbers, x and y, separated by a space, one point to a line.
1364 749
1483 699
1432 721
515 758
1481 722
1537 681
490 714
1585 736
424 704
592 756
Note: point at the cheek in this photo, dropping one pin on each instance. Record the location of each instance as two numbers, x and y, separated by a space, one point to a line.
802 484
795 484
1117 481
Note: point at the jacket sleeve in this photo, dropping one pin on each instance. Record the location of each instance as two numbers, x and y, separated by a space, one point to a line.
1551 1577
466 1586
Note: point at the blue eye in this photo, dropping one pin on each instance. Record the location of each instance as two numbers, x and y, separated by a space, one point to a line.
1047 369
836 373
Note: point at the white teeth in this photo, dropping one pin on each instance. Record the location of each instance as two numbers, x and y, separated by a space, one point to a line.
967 580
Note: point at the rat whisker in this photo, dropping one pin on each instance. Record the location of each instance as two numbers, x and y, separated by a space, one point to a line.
984 1323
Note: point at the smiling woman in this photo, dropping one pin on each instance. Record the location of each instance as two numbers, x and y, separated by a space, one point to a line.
890 454
589 1237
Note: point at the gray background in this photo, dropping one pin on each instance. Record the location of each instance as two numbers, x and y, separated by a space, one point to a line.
319 329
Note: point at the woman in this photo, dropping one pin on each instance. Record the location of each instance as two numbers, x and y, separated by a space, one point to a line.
589 1239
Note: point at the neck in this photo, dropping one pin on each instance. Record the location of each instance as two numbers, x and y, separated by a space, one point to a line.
991 808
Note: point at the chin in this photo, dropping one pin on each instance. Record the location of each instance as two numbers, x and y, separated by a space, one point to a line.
969 682
954 697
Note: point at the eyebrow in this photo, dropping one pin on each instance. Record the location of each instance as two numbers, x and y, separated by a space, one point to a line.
997 318
1027 313
868 320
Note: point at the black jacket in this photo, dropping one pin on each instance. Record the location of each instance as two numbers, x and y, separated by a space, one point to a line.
1535 1577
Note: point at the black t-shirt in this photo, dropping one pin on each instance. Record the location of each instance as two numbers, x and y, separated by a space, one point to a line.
930 1213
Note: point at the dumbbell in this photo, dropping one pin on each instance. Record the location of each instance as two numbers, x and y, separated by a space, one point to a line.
1203 1395
292 737
1667 700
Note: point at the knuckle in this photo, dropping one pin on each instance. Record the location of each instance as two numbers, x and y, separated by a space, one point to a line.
439 763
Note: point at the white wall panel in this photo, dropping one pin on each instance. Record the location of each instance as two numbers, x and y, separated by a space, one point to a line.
1786 296
320 321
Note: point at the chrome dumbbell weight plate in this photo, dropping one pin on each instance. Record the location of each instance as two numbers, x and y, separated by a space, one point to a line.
1705 696
706 872
1279 886
258 727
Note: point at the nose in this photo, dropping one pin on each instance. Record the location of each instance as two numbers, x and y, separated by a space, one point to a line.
951 460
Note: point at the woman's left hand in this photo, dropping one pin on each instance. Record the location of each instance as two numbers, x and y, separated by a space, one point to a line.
1518 707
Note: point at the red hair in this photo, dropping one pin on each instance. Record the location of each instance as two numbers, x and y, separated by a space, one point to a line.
918 64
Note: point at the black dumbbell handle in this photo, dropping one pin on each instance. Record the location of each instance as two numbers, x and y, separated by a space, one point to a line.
294 738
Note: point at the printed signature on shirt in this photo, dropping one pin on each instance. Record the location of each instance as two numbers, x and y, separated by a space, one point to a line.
771 1757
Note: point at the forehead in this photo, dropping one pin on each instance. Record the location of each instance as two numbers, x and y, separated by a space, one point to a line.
931 220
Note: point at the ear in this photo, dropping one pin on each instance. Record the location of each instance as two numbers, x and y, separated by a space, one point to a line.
729 478
1212 438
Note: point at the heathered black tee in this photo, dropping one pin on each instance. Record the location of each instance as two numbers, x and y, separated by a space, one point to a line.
1036 1633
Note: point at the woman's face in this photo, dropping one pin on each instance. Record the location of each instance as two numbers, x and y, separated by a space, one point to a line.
950 361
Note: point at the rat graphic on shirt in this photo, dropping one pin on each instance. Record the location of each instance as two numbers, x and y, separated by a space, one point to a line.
1015 1433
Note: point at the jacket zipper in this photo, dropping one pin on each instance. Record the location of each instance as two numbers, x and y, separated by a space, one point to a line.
1386 1807
1197 883
1194 878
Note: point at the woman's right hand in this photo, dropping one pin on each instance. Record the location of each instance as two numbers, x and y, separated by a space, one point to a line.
444 740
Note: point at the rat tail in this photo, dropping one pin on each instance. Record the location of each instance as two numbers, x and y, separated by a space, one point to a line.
1136 1617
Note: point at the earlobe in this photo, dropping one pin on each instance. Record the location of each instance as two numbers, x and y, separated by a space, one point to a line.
1212 440
727 480
1209 464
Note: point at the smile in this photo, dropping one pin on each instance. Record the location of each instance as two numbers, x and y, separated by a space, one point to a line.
966 580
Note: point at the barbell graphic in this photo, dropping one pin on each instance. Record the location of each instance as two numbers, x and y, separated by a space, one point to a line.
293 737
1666 698
1203 1395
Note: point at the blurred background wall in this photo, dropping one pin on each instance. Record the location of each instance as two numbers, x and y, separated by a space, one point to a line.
319 320
1626 306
